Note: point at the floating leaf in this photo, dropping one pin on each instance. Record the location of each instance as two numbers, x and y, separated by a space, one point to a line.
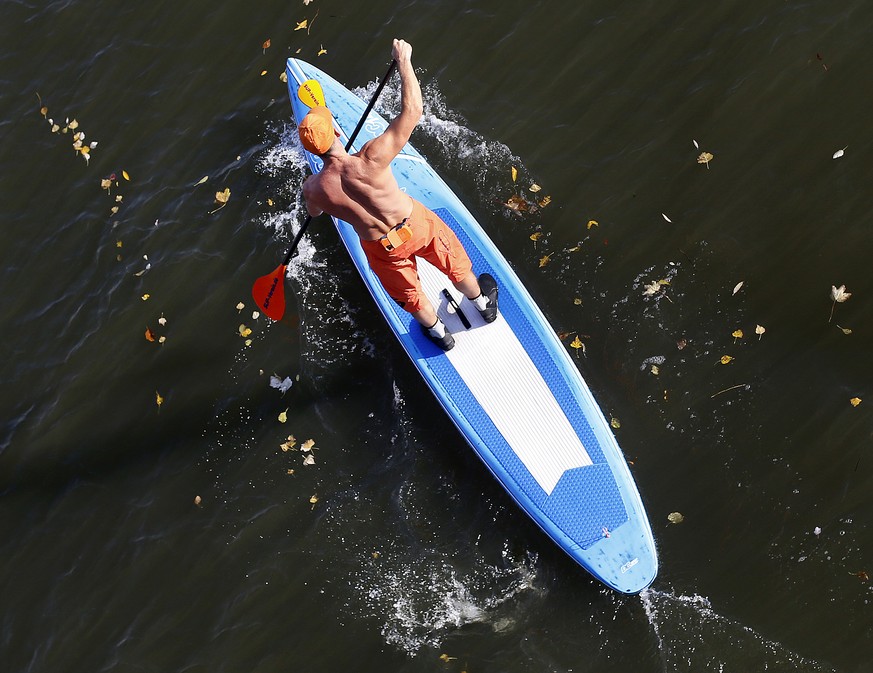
545 260
266 44
514 172
593 223
656 370
158 399
149 335
244 331
313 499
704 158
309 460
839 295
577 344
321 51
844 330
614 422
759 331
445 658
282 385
162 320
536 236
543 202
696 146
255 315
737 334
302 25
862 575
307 445
726 359
738 287
146 296
855 401
675 517
666 218
197 500
840 153
263 72
517 204
201 180
652 288
283 417
240 306
534 188
125 175
577 301
283 77
161 339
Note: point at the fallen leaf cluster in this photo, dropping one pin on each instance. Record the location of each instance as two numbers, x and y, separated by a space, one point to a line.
71 128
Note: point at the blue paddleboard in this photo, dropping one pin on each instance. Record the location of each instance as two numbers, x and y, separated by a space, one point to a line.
510 387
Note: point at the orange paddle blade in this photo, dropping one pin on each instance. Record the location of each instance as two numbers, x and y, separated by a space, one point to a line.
269 293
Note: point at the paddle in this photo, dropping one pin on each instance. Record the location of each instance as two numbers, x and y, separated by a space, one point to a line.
269 291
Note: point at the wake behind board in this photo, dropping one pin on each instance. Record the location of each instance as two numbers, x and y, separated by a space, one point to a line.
510 387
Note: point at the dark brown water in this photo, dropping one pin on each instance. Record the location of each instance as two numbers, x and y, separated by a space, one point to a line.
396 546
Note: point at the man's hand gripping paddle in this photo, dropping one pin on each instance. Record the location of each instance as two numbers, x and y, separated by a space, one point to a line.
269 291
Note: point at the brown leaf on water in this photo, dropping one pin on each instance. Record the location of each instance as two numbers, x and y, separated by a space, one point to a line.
543 202
545 260
517 204
862 575
564 335
149 335
266 45
307 445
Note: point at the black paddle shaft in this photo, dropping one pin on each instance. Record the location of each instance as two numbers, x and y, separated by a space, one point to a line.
354 135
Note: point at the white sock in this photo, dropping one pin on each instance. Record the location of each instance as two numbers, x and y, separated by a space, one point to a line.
438 329
481 302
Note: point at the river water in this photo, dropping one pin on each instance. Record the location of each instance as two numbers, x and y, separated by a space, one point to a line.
182 537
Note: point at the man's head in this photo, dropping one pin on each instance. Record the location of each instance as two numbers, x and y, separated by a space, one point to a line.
316 130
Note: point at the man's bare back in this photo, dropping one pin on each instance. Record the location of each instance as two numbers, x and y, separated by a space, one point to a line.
360 188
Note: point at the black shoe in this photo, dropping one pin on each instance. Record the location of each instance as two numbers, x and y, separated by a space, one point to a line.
446 342
488 286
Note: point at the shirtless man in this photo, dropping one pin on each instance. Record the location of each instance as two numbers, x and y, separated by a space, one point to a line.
393 227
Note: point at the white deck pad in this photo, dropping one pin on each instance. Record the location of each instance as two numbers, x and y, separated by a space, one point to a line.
509 387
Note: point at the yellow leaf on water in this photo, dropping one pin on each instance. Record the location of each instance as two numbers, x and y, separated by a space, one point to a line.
244 331
545 260
146 296
313 499
543 202
656 370
577 345
577 301
759 330
222 197
704 158
118 244
536 236
302 25
614 422
125 175
158 399
726 359
283 77
593 223
283 416
288 444
855 401
445 658
514 172
263 72
321 51
535 188
675 517
307 445
737 334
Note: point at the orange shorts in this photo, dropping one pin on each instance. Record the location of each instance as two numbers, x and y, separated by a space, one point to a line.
433 240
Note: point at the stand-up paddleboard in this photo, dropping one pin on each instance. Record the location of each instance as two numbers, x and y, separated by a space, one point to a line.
510 386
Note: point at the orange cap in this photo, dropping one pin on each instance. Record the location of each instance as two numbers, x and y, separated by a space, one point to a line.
317 131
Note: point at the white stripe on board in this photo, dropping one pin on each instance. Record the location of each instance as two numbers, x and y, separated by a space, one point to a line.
506 383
